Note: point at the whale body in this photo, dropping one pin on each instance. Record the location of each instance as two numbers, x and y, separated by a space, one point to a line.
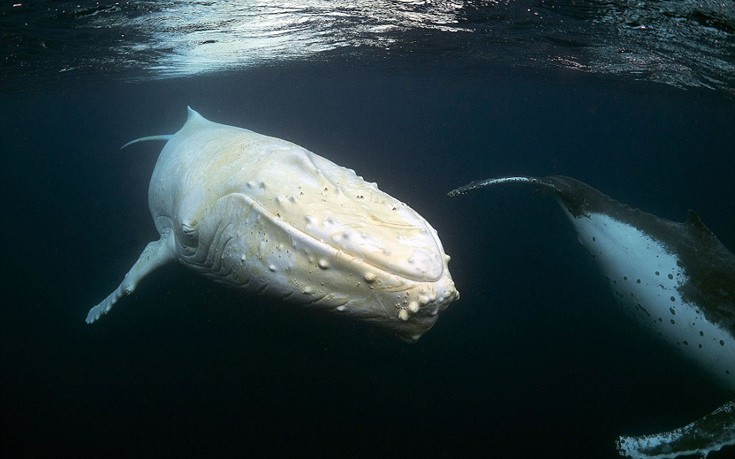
676 279
267 216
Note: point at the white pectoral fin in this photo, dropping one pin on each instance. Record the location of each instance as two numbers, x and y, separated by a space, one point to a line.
155 254
703 436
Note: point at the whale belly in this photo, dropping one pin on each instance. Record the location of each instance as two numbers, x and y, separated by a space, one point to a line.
647 280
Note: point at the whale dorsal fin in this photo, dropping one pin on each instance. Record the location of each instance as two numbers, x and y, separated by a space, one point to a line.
695 222
191 116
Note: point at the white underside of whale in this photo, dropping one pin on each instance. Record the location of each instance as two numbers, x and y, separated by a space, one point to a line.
644 278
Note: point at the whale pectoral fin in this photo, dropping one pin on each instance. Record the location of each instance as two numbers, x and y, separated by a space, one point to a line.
155 254
710 433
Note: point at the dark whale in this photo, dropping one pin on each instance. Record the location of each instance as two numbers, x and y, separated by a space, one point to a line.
676 279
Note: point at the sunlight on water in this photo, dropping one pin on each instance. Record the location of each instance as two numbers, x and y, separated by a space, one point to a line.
193 37
682 43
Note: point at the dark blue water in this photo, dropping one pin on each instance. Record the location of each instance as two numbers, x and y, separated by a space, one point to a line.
535 360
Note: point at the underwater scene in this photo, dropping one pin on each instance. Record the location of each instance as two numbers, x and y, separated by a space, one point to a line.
368 228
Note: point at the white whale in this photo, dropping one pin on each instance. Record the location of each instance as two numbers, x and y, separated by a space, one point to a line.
676 279
268 216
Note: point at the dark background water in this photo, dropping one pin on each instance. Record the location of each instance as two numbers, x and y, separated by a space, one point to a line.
535 360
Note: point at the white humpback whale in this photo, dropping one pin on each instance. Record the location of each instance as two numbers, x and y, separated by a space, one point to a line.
268 216
676 279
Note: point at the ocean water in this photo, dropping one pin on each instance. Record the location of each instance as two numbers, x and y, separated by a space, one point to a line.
535 359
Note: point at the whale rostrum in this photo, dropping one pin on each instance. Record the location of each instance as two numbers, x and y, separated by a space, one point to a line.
267 216
676 279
